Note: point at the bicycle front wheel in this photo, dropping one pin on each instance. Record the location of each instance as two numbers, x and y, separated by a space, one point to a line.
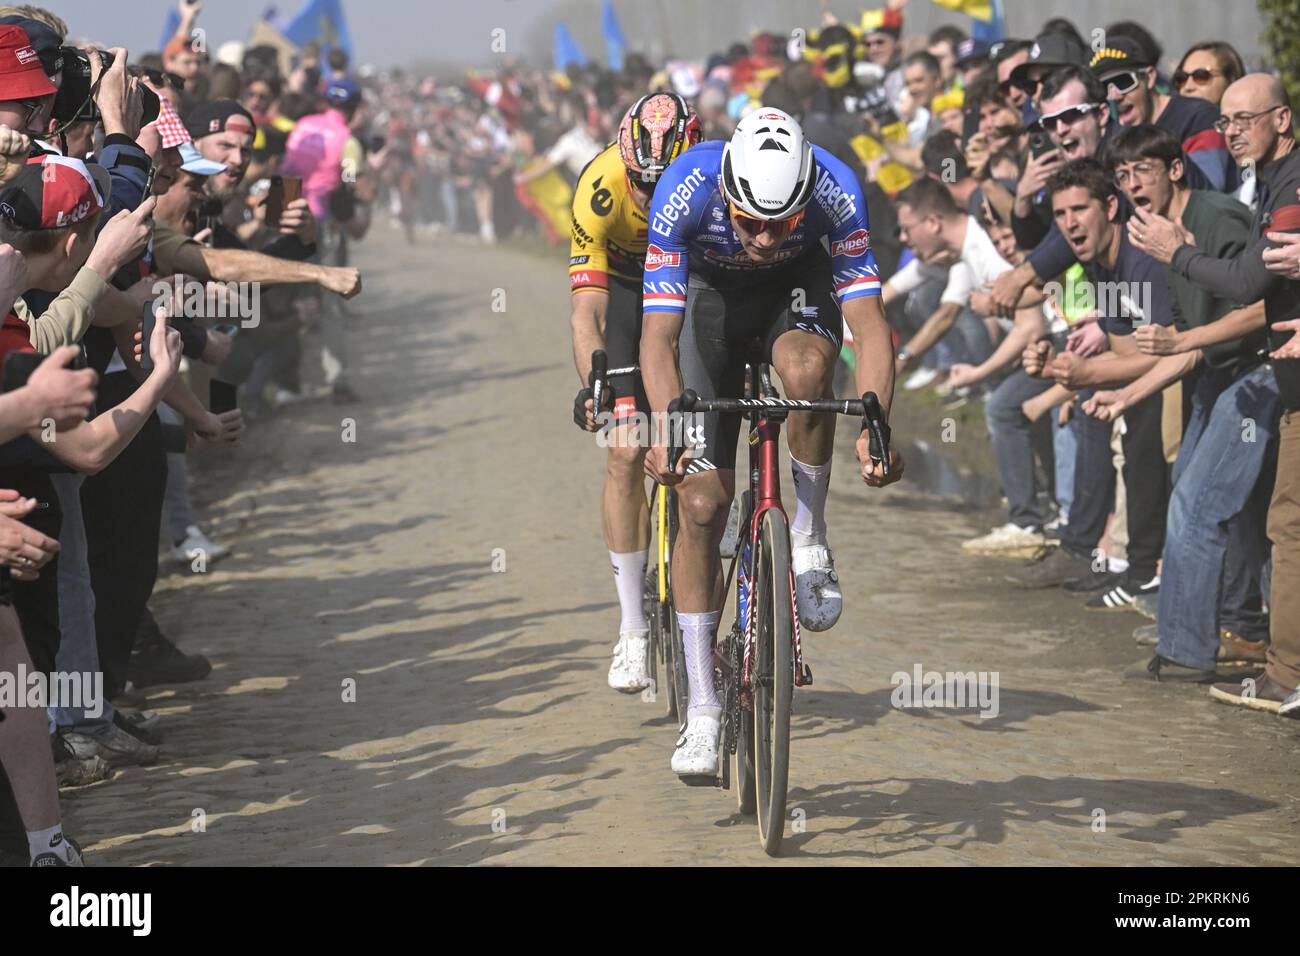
773 676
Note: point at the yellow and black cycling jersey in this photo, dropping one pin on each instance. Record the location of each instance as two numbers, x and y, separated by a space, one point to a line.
608 230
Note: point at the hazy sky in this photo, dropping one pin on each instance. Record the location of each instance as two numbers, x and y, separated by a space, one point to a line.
383 31
388 32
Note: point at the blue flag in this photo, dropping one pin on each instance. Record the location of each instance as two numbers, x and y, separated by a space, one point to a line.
614 42
991 30
170 26
566 49
320 20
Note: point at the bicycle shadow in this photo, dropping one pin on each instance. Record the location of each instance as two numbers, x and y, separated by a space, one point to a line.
945 814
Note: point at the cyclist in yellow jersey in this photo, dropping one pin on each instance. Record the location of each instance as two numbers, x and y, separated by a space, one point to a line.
605 271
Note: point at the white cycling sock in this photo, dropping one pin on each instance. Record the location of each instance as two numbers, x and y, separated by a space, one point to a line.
811 483
697 641
51 840
629 578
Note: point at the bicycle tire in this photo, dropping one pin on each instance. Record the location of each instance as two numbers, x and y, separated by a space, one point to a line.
773 677
744 767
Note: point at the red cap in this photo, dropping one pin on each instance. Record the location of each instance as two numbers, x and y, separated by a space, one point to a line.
53 192
21 75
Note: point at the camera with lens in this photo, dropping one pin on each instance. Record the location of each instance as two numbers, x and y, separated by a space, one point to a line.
75 100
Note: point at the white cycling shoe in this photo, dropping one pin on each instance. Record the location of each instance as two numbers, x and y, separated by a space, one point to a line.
817 593
697 748
628 671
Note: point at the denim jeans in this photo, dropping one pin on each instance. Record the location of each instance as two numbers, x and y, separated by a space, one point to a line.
177 515
1221 463
1094 483
1065 443
1013 444
78 652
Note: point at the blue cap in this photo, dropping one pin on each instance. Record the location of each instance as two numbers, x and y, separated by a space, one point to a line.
971 50
342 92
192 161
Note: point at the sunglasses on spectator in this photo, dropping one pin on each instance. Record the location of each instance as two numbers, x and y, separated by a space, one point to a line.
1200 77
1069 116
1125 82
754 227
1241 120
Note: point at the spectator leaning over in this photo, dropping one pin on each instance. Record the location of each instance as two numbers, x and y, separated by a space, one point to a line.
1130 290
1130 81
1257 121
1214 550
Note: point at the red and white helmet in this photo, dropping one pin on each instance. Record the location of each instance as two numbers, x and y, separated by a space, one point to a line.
654 132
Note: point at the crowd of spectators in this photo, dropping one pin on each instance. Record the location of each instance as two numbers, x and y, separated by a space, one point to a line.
174 234
1097 241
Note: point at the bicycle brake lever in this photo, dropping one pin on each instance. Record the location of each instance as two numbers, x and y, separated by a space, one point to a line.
878 442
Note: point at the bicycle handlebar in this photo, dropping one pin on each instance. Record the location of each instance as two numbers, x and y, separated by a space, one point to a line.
868 407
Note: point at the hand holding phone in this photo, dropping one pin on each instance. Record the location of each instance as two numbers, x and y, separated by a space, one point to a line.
284 190
222 397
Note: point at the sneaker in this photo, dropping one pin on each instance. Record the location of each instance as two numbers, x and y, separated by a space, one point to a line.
73 771
1093 581
1050 570
1163 670
628 671
1120 596
1009 540
284 396
1260 693
1147 605
1291 706
697 748
920 379
1147 635
196 542
1238 651
65 852
140 729
113 744
156 660
957 398
817 593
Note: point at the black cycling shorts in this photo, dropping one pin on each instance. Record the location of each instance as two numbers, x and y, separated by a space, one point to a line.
723 320
623 346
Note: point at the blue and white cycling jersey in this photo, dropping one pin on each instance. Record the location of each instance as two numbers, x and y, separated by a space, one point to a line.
691 231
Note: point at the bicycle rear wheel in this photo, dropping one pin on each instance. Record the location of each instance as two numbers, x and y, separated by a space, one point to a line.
773 676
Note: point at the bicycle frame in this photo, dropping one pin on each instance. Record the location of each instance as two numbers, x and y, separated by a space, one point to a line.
765 494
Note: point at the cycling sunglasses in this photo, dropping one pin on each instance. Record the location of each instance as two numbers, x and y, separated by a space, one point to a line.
1125 82
1200 77
1069 116
753 227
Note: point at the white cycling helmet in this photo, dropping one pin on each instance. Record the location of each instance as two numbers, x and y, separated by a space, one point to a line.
767 168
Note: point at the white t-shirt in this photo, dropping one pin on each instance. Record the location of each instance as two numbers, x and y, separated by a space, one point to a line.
978 266
574 149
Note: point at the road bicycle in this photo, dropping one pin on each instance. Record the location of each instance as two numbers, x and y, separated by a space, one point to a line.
760 661
665 636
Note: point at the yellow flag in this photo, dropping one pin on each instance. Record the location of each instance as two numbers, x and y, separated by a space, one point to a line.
979 9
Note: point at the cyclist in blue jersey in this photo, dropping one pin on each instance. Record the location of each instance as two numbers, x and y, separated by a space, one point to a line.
761 238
